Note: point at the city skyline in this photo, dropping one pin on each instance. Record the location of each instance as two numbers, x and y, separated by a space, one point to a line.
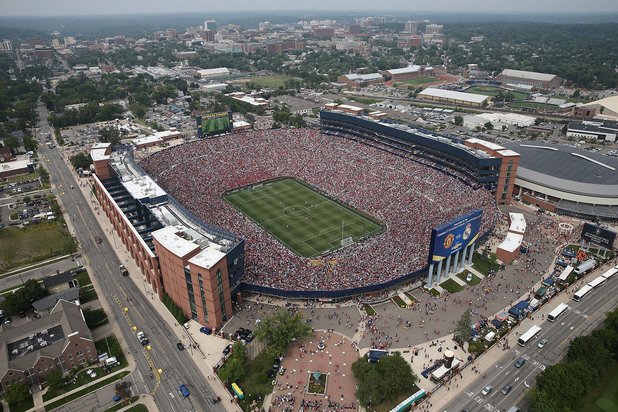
76 7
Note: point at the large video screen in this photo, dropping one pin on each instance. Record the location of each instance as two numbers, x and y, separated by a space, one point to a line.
598 235
215 123
455 235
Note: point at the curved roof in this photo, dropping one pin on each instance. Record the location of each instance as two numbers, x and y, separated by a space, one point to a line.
567 169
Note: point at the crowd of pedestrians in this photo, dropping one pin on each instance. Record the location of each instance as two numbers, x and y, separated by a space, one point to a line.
408 197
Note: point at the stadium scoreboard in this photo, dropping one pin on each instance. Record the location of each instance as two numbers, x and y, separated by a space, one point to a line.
213 123
598 235
453 236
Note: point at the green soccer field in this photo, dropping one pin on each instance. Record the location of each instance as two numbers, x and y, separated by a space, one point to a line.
307 222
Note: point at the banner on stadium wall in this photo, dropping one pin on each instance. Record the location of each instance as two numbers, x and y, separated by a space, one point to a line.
598 235
455 235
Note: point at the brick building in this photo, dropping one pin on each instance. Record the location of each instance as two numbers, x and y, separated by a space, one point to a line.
60 340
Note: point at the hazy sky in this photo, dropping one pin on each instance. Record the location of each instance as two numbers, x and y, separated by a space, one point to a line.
81 7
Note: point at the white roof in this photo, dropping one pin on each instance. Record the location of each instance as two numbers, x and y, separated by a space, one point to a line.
348 107
211 72
143 187
489 145
410 69
508 152
98 151
450 94
14 165
207 258
518 223
511 242
523 74
241 123
509 118
147 140
169 239
363 77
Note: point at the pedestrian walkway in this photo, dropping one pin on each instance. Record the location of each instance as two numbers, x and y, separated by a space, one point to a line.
439 289
458 280
475 272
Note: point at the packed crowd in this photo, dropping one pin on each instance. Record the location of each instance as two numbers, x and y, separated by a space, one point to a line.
408 197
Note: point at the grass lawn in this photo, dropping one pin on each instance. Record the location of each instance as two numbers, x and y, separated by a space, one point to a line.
451 286
22 406
494 91
387 406
434 292
111 345
399 302
416 82
604 395
83 278
95 318
532 105
82 379
363 100
88 294
463 275
256 385
270 82
85 391
370 311
412 298
31 244
307 222
137 408
484 267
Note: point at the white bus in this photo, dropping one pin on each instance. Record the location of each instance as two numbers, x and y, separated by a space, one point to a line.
597 282
610 273
557 312
526 337
581 293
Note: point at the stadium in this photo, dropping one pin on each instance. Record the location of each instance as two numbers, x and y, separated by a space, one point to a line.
341 211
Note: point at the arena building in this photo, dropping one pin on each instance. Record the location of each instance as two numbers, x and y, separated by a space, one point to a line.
453 97
522 77
567 180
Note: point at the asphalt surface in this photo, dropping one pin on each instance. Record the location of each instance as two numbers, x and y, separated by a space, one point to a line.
177 366
580 319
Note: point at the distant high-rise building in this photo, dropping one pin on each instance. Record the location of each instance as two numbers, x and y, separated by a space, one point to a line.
210 25
411 27
208 35
435 29
6 45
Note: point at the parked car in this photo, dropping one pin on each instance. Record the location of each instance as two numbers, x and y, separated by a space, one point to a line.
227 350
205 330
117 397
184 390
486 390
180 346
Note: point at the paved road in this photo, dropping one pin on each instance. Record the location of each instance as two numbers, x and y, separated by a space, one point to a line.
579 319
177 366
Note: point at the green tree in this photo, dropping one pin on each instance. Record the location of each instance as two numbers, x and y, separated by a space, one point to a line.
235 367
280 329
382 381
81 160
43 174
54 379
12 143
566 384
109 135
30 144
592 351
541 402
458 120
22 299
462 331
16 393
489 126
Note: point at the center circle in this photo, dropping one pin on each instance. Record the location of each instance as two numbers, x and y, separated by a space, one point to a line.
296 211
